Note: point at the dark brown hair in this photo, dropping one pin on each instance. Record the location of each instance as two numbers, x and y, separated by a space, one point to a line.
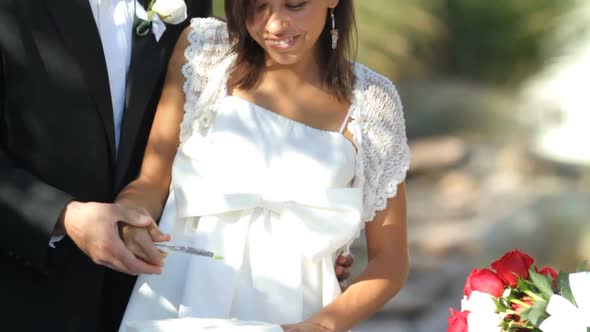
336 66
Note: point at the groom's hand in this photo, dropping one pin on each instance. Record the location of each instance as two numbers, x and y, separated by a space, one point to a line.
94 229
342 268
140 241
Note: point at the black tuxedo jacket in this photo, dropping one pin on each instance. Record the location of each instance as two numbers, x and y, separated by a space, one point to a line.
57 145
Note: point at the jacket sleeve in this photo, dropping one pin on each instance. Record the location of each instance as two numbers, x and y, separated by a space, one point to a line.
29 208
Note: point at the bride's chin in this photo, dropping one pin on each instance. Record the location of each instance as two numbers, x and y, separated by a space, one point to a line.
283 60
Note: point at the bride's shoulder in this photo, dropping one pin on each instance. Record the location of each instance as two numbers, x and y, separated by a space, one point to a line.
208 25
204 34
207 32
376 91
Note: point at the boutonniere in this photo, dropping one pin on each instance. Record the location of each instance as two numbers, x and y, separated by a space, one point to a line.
158 14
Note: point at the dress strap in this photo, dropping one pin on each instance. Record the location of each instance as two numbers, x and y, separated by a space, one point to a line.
345 122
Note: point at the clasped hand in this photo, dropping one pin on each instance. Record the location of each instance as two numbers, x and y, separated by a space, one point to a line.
138 232
100 231
140 241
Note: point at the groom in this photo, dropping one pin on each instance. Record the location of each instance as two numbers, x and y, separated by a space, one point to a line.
78 91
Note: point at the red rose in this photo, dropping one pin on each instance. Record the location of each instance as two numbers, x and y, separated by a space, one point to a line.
458 321
548 272
485 281
513 265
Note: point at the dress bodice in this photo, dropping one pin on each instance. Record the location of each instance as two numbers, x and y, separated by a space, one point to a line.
252 149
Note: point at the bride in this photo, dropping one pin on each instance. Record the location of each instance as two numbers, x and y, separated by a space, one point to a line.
278 151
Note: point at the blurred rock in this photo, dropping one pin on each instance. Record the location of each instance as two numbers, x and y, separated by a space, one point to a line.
429 281
435 318
446 237
436 153
515 158
584 181
457 190
553 228
450 107
584 243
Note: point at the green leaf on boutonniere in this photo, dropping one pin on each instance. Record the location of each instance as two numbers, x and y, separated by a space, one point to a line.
563 286
143 28
537 314
542 283
582 267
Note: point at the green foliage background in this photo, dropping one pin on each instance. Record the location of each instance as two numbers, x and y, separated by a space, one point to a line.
500 42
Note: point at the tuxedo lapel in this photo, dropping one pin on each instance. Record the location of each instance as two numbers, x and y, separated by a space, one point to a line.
76 24
145 70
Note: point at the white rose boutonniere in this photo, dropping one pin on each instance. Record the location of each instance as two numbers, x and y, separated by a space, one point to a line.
158 14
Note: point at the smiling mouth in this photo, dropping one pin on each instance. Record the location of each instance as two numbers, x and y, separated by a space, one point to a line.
282 43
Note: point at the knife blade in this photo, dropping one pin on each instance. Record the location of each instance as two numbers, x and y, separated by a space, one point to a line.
188 250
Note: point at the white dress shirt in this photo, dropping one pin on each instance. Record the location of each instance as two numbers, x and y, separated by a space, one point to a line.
114 20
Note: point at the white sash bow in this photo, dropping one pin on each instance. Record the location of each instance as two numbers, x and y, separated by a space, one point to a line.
304 225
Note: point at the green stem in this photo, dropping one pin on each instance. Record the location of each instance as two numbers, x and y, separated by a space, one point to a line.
522 326
534 296
510 311
523 304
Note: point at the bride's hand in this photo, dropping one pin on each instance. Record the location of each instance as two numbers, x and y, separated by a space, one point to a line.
304 327
140 241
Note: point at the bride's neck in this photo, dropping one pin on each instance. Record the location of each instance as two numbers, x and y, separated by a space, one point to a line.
292 76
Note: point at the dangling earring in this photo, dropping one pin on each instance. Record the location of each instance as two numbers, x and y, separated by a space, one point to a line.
334 31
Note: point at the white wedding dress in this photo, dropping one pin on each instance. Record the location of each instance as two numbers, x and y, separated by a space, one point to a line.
276 198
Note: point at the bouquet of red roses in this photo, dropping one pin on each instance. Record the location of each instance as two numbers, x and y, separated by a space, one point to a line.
516 296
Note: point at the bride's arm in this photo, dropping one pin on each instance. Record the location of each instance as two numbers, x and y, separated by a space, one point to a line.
384 275
149 191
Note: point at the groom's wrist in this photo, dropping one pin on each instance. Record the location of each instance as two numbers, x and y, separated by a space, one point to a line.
60 229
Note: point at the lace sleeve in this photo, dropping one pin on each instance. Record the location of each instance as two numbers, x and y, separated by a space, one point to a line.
381 135
208 46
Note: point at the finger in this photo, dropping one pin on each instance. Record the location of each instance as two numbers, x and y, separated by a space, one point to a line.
346 260
140 243
153 255
341 273
134 218
132 265
343 276
129 236
153 258
137 251
157 235
137 266
142 210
